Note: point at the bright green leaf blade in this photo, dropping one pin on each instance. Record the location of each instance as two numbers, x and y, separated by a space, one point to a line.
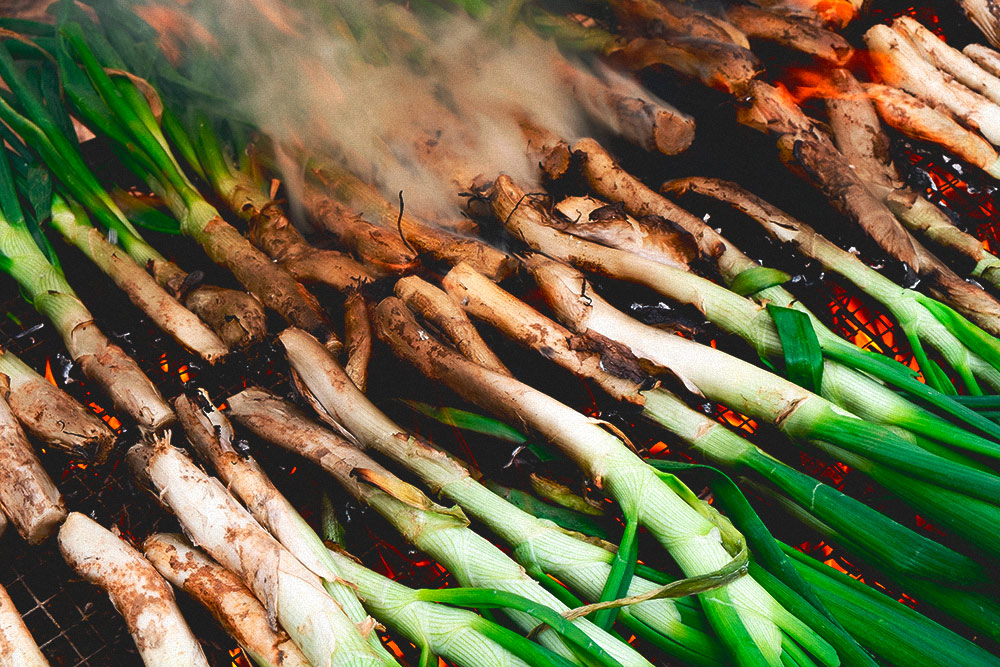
756 279
620 576
803 356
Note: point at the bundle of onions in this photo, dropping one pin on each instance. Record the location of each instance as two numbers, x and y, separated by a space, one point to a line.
461 635
236 317
543 549
37 270
139 593
117 108
645 498
528 221
211 435
225 596
440 532
215 521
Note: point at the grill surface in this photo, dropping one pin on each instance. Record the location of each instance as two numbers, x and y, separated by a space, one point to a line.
74 622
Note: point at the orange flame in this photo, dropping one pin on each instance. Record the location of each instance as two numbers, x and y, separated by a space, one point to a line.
48 371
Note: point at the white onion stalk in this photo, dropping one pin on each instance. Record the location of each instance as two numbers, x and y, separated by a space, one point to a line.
538 545
441 533
899 63
211 435
221 592
143 291
736 610
948 59
731 312
215 521
136 589
985 57
17 646
27 494
749 389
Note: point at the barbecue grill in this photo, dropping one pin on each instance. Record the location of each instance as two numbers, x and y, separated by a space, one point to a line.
75 625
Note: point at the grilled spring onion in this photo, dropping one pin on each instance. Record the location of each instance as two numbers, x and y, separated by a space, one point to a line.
735 314
142 289
225 596
543 550
440 532
27 494
210 434
290 592
37 271
236 317
909 471
131 124
645 498
136 589
51 415
865 529
269 227
919 324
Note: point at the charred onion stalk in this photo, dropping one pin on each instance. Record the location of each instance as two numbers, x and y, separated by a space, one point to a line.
790 32
357 338
51 415
527 220
920 121
547 149
724 66
137 133
27 494
440 532
675 19
860 138
811 152
948 59
898 62
919 324
448 317
381 251
543 549
137 591
834 13
862 528
626 109
269 227
37 271
437 243
645 498
210 434
917 475
17 646
984 14
226 598
292 594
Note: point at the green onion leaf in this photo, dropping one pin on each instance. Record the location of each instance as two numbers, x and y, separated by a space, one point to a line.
974 338
489 598
803 356
620 577
756 279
